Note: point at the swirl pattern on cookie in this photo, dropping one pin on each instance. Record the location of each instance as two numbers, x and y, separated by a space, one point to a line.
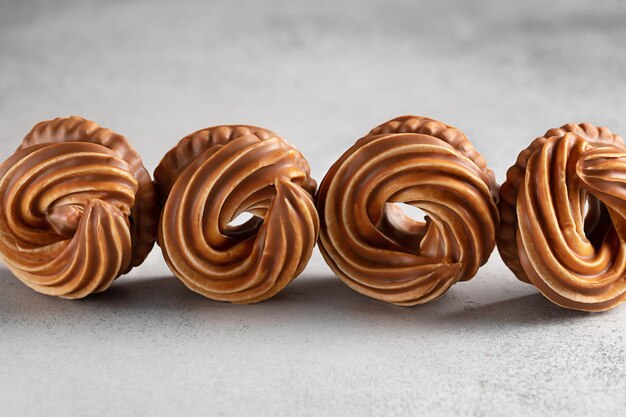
209 179
77 208
563 210
379 251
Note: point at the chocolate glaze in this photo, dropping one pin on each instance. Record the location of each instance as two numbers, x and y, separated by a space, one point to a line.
563 211
380 252
77 208
211 177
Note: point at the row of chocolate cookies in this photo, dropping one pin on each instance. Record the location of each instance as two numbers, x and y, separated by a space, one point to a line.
78 209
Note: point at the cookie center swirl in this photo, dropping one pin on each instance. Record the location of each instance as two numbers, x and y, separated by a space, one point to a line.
571 209
144 213
597 221
59 203
216 175
373 245
577 256
402 228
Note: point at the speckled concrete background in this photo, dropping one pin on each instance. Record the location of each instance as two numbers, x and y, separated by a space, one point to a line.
321 74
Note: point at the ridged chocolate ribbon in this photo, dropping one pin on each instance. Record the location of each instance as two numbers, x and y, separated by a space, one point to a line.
379 251
563 210
77 208
213 176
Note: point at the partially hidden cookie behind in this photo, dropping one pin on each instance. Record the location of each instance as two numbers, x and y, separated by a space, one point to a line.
210 178
563 211
77 208
379 251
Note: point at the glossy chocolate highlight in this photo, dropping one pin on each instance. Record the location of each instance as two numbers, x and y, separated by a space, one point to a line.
77 208
379 251
563 210
211 177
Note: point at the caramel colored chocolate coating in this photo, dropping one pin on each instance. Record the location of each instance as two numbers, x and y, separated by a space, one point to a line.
77 208
379 251
211 177
563 211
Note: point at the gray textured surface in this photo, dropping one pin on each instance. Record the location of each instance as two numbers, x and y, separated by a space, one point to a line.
321 74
